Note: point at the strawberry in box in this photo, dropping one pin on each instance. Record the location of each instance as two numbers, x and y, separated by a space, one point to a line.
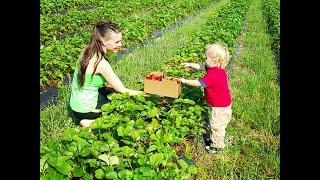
158 84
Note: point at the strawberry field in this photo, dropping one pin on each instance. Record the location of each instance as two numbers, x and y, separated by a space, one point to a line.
62 36
147 137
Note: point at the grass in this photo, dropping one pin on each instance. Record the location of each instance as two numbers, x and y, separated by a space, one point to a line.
254 130
55 118
131 69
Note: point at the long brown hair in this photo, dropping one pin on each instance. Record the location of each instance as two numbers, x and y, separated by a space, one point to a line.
100 30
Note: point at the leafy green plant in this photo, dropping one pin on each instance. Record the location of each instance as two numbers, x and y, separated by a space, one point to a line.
271 10
57 57
131 139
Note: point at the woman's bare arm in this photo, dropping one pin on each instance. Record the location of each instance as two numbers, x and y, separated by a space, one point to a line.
106 70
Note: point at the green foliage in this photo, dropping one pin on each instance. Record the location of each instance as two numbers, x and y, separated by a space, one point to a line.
134 138
58 57
271 10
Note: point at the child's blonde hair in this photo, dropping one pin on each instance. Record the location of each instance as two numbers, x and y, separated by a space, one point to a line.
218 53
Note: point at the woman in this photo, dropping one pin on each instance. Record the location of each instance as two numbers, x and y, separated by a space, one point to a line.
93 72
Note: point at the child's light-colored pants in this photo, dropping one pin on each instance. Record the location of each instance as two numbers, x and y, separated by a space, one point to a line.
220 117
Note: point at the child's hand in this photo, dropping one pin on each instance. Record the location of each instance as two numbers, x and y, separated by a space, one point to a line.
193 66
186 65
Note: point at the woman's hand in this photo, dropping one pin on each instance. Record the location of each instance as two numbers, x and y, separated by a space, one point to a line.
133 92
146 95
182 80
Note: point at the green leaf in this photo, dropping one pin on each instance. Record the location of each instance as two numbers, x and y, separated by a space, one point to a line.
126 141
60 164
107 169
127 151
129 129
144 169
182 164
141 160
99 174
125 174
167 138
43 164
99 146
140 98
44 177
121 131
64 168
85 152
192 169
69 134
139 177
154 112
82 143
155 159
143 133
92 162
135 135
143 113
44 149
54 175
68 153
149 173
112 175
139 123
87 177
115 149
151 148
159 135
186 176
78 172
72 148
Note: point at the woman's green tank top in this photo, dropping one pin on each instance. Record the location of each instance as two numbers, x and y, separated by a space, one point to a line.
85 99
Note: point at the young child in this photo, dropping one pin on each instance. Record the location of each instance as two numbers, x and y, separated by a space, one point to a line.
216 92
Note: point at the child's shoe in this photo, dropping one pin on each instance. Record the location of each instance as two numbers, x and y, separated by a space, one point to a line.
213 149
207 141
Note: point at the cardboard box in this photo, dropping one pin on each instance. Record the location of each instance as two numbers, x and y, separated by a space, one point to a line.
158 84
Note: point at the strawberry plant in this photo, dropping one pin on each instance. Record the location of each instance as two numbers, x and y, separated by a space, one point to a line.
271 10
131 140
136 27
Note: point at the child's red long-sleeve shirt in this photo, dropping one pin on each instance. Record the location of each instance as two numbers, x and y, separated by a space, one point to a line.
216 90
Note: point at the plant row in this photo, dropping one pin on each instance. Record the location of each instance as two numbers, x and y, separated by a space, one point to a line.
58 58
55 26
132 140
271 10
224 28
48 7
